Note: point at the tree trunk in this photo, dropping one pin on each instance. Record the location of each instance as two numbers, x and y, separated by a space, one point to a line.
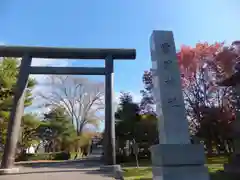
209 147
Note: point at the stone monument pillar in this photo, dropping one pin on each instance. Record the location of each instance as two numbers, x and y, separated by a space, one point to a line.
175 158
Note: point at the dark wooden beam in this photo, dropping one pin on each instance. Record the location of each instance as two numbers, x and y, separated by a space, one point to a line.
67 70
66 53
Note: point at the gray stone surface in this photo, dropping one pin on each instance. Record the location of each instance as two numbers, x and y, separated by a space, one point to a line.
174 158
74 170
173 126
180 154
57 174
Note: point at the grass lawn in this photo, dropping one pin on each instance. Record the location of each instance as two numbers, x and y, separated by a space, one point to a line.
144 172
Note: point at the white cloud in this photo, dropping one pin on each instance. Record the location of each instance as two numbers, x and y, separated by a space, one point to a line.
47 62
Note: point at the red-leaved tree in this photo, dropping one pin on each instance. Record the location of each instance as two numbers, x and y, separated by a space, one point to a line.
209 107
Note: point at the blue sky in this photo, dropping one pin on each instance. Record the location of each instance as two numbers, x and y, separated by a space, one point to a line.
117 24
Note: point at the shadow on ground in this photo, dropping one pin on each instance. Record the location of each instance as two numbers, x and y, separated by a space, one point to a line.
220 175
85 171
92 167
88 166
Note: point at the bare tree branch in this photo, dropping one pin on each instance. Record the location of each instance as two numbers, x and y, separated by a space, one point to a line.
81 98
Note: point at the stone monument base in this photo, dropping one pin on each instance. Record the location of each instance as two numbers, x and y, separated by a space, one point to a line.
233 166
179 162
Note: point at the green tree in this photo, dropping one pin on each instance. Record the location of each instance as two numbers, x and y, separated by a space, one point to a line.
29 131
57 131
147 100
9 68
127 116
146 130
134 129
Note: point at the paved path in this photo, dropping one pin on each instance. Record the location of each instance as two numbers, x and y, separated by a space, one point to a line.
58 174
69 170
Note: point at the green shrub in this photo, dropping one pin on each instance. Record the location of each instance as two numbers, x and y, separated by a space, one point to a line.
62 156
43 156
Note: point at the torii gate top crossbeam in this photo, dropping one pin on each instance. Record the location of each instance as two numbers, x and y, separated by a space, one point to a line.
66 53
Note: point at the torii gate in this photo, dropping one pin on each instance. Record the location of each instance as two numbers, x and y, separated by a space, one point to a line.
27 53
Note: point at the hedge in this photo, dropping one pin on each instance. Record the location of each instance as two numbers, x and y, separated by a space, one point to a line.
44 156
